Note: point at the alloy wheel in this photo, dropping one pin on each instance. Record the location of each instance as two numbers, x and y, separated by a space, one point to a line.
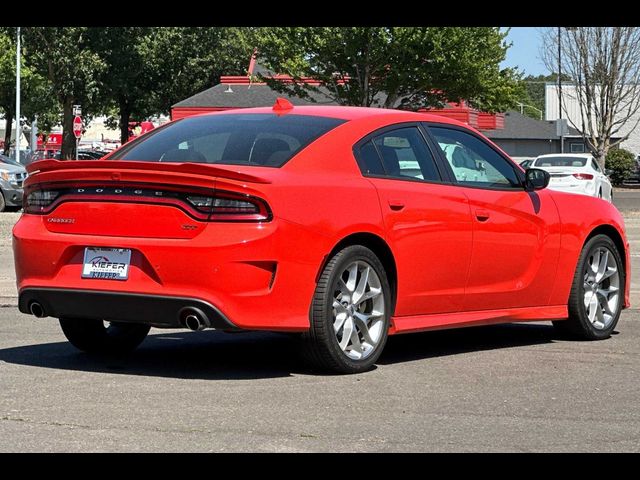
601 288
358 310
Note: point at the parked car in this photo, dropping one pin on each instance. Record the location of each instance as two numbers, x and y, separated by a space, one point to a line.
526 163
342 224
576 173
12 176
84 155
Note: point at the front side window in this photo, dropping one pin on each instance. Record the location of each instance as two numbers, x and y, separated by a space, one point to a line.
232 139
473 162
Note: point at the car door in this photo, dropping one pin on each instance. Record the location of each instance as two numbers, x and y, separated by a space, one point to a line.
516 234
427 220
603 181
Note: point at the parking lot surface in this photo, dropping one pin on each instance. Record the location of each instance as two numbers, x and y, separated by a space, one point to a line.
500 388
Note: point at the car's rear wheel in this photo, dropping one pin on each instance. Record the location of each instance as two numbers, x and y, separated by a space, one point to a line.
596 297
3 203
96 336
350 312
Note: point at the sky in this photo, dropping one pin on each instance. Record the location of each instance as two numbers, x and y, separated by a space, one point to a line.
525 51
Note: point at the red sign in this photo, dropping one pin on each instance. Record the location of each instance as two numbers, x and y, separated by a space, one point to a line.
77 126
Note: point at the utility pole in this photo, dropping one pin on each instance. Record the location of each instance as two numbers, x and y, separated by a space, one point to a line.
17 97
560 89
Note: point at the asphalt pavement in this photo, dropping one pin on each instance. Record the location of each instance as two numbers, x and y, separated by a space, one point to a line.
627 200
508 388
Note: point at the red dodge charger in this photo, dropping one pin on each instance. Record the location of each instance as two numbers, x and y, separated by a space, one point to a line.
343 224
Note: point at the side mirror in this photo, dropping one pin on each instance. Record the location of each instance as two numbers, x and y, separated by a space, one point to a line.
536 179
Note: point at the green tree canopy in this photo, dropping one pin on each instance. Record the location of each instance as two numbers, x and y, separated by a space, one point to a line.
183 61
66 57
394 67
36 98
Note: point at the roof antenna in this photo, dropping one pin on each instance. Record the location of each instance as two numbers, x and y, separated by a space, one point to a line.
282 105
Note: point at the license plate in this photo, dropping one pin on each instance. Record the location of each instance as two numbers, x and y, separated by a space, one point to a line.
106 263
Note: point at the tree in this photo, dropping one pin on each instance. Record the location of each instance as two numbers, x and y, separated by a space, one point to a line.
533 97
126 82
393 67
36 99
621 163
604 63
66 57
182 61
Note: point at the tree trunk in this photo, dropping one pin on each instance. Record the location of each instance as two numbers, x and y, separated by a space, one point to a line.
7 133
125 115
68 151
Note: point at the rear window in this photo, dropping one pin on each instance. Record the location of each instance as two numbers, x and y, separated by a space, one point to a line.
244 139
561 162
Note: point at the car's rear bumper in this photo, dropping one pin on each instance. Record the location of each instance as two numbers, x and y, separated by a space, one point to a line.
246 271
154 310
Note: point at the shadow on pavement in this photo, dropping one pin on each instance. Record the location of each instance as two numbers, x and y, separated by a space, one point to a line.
416 346
213 355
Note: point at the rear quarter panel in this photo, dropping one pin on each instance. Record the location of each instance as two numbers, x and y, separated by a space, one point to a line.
580 215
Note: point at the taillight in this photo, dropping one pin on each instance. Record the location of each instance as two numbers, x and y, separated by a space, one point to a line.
583 176
230 207
205 205
39 201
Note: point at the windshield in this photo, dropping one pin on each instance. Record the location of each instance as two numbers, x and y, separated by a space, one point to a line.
10 161
242 139
561 162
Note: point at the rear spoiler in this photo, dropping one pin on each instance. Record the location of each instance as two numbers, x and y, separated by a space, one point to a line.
193 168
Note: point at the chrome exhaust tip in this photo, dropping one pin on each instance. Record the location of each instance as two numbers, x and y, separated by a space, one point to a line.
194 319
194 323
36 310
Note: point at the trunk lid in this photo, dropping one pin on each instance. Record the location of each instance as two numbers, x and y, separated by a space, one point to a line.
132 199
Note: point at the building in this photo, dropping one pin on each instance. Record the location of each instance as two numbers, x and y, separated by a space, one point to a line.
524 137
520 136
244 92
571 111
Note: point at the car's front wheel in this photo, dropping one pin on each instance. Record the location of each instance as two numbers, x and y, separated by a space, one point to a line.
350 312
597 291
96 336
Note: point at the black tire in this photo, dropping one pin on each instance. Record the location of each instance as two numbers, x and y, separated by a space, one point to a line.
3 203
92 336
578 325
320 343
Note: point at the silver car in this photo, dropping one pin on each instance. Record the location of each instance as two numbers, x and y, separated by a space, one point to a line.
12 176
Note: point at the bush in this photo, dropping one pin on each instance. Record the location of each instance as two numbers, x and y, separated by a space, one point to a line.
621 162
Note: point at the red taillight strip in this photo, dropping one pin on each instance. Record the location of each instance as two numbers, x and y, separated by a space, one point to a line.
583 176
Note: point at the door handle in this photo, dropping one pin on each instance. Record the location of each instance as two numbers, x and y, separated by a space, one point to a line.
482 215
395 204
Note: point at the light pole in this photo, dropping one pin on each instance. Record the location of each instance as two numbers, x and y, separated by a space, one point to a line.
17 97
560 89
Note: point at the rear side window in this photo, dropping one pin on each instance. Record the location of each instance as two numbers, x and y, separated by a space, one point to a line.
401 153
561 162
242 139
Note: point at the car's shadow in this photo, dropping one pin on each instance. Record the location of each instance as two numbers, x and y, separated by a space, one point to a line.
213 355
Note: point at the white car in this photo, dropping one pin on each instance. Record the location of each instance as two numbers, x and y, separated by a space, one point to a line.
575 173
